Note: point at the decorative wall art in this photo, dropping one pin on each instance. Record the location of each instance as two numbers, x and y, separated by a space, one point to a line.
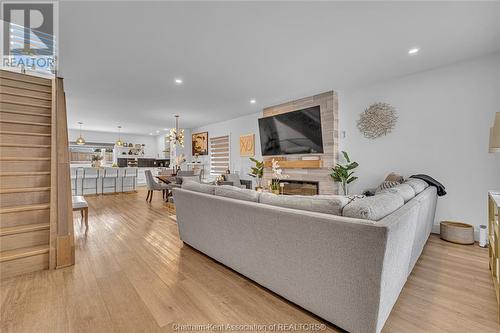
377 120
200 143
247 145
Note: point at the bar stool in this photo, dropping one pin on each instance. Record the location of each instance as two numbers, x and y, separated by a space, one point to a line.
90 174
80 204
109 174
74 180
130 173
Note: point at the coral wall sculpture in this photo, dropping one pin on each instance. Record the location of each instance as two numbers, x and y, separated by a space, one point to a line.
377 120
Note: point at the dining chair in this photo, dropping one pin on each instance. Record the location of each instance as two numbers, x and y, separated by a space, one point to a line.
153 185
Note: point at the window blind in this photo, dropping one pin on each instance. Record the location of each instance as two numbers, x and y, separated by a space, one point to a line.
219 154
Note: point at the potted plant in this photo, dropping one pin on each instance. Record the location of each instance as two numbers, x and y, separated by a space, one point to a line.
277 176
257 172
343 174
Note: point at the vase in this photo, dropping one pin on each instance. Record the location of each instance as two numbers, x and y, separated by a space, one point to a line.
276 191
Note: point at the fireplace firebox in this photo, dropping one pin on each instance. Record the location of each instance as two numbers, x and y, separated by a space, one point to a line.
300 187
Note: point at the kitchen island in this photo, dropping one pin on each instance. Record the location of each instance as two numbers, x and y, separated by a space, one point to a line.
87 180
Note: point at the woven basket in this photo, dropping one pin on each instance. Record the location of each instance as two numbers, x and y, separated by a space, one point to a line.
457 232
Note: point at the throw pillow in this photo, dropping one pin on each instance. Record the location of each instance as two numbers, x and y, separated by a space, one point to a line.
351 198
394 177
404 190
387 184
373 208
418 185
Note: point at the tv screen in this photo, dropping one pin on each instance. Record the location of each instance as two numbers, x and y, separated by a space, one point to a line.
297 132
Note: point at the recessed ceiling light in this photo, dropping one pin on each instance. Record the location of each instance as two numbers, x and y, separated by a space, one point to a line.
253 101
150 133
165 129
157 131
413 50
178 81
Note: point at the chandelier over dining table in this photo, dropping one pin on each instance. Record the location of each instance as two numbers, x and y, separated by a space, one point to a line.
176 135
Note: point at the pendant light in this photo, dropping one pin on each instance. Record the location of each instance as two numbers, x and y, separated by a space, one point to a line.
119 142
80 141
176 135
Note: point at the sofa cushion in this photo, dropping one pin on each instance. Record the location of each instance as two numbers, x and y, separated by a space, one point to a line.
198 187
404 190
328 204
233 192
418 185
374 207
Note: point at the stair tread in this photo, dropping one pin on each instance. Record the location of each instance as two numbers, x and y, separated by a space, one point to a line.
24 122
26 113
24 208
24 133
23 228
24 189
20 158
23 252
26 95
24 173
23 145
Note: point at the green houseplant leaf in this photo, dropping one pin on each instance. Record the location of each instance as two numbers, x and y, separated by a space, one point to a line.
343 174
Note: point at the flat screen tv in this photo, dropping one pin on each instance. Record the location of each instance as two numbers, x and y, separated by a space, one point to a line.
297 132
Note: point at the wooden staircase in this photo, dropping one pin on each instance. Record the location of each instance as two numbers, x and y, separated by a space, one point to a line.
36 230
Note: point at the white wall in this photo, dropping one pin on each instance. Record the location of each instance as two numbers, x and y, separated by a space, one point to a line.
106 137
235 128
443 131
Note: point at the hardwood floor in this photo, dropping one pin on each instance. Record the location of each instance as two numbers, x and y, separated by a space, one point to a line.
134 275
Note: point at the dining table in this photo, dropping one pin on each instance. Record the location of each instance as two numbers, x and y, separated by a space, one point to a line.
167 179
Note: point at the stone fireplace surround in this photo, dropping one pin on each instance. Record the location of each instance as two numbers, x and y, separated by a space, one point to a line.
328 103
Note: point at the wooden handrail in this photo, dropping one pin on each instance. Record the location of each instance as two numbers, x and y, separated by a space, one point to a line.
62 242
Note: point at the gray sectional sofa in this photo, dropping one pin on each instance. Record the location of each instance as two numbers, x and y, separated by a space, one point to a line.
349 271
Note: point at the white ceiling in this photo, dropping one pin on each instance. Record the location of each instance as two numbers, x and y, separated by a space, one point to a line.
120 59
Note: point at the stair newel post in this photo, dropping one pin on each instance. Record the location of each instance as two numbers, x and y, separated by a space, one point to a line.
62 245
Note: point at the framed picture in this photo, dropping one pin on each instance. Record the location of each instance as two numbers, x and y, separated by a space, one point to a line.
247 145
200 143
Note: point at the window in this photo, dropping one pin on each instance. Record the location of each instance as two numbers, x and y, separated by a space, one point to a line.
219 155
